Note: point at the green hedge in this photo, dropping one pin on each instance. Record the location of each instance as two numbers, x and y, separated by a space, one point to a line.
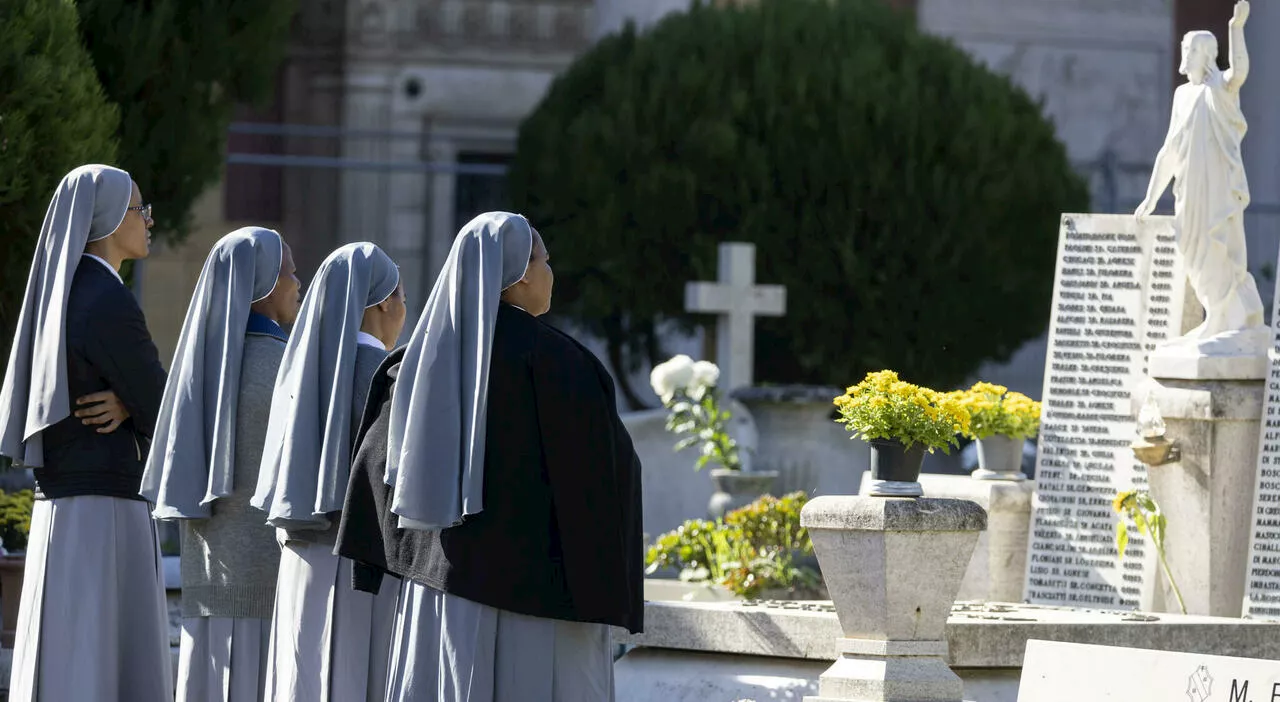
54 116
907 196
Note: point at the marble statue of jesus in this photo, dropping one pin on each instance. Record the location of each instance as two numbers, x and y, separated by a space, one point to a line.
1201 155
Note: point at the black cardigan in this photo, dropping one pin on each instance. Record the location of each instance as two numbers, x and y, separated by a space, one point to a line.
560 534
108 348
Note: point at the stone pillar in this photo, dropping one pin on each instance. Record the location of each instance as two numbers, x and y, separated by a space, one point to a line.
892 566
1207 495
366 108
1261 151
443 187
407 238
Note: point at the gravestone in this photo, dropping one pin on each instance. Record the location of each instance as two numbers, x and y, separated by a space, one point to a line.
673 490
1117 292
1262 593
736 301
1055 671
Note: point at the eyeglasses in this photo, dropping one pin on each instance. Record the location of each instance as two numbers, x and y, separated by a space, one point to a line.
145 209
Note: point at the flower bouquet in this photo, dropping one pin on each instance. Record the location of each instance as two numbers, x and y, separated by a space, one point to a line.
688 389
901 421
1000 421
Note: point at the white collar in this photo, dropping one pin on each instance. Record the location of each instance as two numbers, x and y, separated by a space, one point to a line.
369 340
103 261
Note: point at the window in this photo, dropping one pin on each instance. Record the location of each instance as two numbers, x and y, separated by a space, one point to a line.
479 192
255 193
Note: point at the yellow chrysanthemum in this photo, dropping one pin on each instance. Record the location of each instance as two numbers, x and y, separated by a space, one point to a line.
883 406
993 410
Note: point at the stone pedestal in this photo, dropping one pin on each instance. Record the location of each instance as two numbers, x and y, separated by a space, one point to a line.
1206 496
892 566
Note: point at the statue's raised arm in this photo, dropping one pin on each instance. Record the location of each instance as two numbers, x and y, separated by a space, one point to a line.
1239 70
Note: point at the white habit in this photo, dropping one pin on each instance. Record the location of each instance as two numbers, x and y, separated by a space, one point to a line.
328 641
449 649
95 561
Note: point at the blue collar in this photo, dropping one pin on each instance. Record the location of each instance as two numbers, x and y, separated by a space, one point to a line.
262 324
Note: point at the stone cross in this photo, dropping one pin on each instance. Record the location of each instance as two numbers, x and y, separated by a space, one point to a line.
737 301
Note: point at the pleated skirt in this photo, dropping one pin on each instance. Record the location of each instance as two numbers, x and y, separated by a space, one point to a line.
223 659
328 642
449 649
92 626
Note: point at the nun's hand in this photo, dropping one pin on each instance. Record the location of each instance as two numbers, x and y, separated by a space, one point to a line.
102 409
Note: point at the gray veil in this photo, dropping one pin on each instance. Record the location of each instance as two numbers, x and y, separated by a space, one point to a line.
192 457
89 204
435 445
308 448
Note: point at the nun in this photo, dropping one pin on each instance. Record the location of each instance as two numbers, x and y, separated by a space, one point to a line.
329 642
494 476
208 447
92 625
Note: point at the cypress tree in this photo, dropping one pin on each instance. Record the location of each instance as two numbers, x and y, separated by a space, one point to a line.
907 196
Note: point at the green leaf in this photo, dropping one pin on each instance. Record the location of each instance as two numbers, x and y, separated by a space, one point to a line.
1159 529
686 443
1141 521
1122 538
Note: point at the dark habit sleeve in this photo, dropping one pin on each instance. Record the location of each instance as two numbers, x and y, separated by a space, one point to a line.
362 536
127 358
595 482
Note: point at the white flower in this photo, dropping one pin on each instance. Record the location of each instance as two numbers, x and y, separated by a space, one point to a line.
671 377
706 373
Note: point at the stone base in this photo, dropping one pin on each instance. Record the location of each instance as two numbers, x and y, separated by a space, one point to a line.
895 488
1238 355
833 699
984 474
1206 494
867 678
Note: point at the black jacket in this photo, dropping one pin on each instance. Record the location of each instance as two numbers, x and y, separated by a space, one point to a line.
560 534
108 348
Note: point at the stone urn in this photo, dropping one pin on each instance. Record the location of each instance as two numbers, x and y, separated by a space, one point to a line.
893 567
737 488
798 437
999 458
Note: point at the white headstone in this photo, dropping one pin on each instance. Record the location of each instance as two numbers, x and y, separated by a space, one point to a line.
1117 293
1262 590
1054 671
737 301
673 491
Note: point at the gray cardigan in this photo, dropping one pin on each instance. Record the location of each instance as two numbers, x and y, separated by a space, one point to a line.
230 560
